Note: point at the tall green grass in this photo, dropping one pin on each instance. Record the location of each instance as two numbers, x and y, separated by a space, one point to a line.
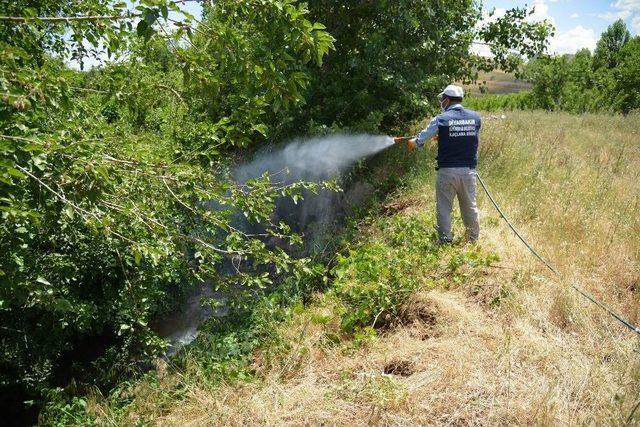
499 102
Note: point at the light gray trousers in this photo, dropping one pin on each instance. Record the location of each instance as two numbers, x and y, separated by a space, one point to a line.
452 182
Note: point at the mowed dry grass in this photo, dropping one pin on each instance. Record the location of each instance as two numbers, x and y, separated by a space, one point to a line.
496 82
511 344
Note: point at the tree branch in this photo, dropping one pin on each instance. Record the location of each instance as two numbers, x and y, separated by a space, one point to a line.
172 90
18 138
86 89
60 196
25 19
177 198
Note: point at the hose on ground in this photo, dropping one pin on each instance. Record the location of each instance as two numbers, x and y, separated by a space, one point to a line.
577 288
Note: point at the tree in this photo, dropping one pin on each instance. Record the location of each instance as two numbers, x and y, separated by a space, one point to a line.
611 41
549 76
627 77
392 57
104 198
581 68
577 93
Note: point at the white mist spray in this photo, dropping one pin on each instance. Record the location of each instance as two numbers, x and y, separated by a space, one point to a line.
315 158
312 159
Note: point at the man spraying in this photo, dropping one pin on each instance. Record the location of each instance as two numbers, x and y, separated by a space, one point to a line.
456 129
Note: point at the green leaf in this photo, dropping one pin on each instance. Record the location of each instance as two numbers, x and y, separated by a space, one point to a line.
187 15
42 280
260 128
32 147
150 16
69 211
137 257
39 162
16 173
143 28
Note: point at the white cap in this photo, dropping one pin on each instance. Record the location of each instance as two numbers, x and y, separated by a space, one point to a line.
452 91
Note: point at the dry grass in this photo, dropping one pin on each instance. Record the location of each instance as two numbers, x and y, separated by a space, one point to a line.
470 366
510 346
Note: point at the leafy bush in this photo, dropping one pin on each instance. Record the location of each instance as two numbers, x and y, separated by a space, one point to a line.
375 277
372 280
105 199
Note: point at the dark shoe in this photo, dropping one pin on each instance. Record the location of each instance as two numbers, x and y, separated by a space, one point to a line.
442 242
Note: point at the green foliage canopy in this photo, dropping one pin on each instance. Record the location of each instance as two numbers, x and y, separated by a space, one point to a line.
604 81
392 57
609 45
106 177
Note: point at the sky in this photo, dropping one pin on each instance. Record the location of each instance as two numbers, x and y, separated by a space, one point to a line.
578 23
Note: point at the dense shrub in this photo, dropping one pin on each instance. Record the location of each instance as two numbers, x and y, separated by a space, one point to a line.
105 177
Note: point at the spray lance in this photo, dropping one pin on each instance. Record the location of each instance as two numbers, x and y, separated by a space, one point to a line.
410 141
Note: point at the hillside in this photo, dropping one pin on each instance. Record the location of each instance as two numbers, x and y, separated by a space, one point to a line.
496 82
463 334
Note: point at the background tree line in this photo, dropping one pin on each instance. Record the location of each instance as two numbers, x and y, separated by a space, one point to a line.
606 79
106 174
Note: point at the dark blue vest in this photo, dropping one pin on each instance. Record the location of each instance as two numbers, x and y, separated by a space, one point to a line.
458 130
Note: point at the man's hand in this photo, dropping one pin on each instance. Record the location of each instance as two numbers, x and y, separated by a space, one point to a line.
411 142
401 139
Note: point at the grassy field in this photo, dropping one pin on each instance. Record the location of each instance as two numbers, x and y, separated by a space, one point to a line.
496 82
412 333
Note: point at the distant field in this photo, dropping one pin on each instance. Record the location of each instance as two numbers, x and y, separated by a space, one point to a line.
496 82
